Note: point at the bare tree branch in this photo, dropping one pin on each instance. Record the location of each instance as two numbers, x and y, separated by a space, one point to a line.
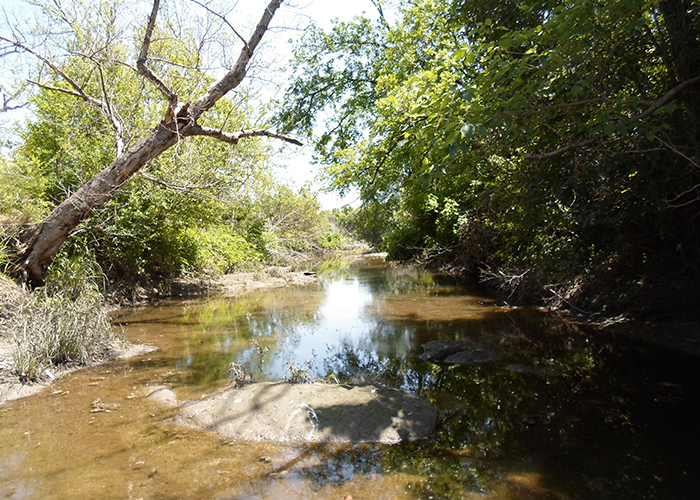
6 106
223 18
144 70
61 89
79 92
234 137
662 101
111 114
174 187
234 77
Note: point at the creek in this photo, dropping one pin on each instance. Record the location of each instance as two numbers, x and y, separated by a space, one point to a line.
554 411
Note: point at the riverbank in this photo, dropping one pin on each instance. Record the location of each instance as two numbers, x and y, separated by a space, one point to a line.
230 285
675 335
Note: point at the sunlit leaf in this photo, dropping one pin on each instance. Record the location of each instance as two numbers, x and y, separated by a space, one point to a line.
468 131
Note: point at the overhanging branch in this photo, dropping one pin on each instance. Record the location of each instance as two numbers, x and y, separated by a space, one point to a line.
655 106
234 137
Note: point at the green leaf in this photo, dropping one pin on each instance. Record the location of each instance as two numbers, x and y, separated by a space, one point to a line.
451 138
468 131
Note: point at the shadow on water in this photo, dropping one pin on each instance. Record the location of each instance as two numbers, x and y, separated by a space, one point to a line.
550 412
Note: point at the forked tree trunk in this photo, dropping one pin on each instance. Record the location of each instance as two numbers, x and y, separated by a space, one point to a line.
44 240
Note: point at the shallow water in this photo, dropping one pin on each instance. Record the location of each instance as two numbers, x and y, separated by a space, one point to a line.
557 414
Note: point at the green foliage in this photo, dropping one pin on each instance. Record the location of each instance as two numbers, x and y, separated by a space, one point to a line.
542 123
331 241
16 195
220 251
18 208
367 223
284 224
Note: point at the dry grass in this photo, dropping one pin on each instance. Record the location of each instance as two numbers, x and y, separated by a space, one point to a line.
48 330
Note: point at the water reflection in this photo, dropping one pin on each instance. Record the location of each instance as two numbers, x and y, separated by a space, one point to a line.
556 414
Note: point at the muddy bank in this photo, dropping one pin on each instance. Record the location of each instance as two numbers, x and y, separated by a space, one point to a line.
286 412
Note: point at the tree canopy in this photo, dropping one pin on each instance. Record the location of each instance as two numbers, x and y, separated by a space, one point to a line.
148 86
551 139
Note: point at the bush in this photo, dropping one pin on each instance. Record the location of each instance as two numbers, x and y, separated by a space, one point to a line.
220 251
331 241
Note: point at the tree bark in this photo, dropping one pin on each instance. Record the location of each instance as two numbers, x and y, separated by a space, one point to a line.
44 239
48 236
685 50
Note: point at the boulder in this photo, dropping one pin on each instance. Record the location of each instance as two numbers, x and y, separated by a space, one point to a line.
312 413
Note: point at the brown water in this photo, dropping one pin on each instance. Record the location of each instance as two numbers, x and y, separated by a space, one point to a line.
559 415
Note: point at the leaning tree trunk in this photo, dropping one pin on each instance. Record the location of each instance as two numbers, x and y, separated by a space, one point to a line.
44 240
48 236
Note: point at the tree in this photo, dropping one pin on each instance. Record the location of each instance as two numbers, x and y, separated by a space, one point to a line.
84 68
551 137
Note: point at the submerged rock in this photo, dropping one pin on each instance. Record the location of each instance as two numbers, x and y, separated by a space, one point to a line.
313 413
163 395
457 352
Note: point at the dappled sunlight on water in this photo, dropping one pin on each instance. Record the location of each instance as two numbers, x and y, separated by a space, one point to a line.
553 414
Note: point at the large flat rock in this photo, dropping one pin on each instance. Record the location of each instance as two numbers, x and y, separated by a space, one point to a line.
313 413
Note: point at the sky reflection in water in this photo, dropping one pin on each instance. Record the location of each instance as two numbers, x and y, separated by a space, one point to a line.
559 413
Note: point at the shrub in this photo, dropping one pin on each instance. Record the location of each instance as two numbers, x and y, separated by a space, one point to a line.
331 241
219 250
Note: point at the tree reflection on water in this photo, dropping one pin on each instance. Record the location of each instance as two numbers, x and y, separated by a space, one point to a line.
559 413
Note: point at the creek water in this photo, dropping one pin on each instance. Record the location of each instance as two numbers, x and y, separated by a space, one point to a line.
552 413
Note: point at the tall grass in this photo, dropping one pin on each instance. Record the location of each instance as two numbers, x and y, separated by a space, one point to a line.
64 323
